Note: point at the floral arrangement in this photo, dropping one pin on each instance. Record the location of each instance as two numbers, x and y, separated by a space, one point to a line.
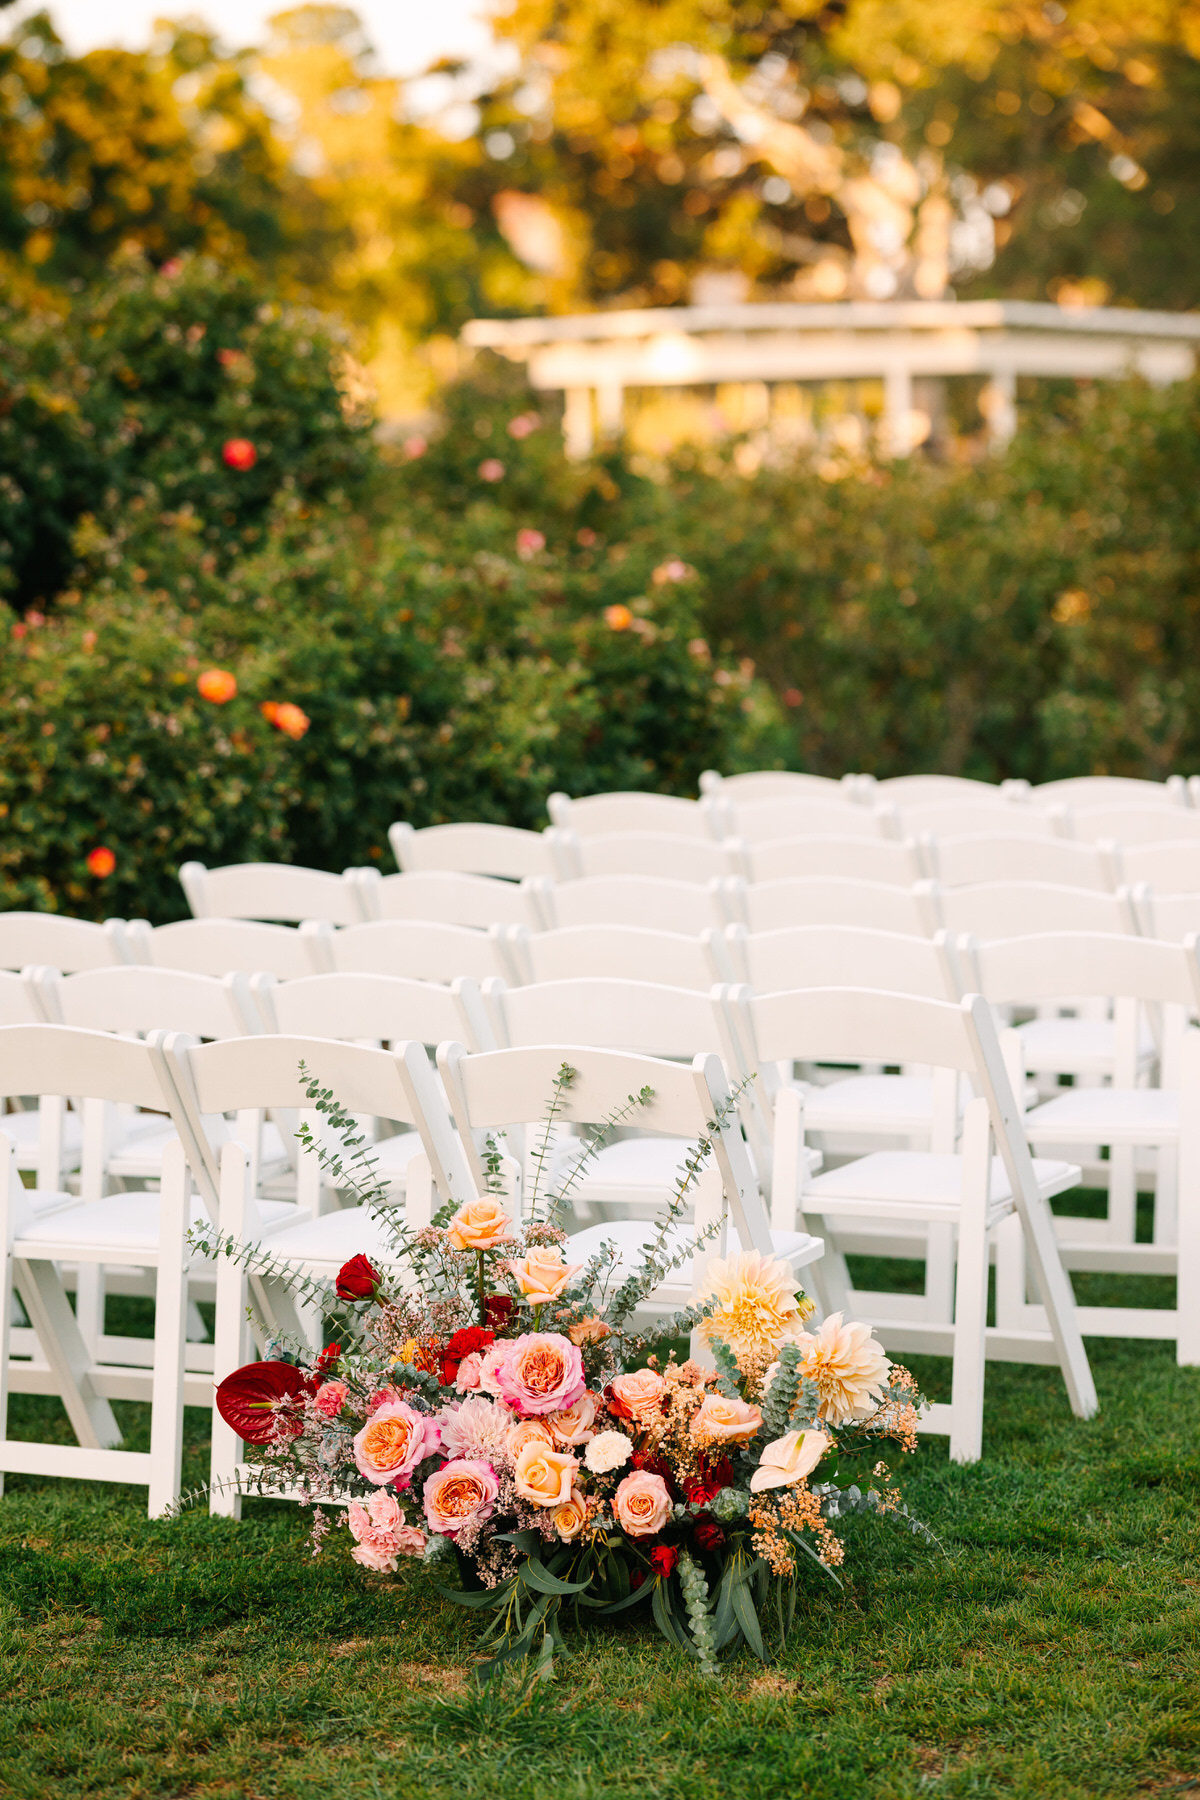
487 1401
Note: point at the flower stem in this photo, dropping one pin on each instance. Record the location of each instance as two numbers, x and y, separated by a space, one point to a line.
482 1285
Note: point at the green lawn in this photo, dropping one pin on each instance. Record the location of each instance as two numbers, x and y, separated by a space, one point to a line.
1052 1652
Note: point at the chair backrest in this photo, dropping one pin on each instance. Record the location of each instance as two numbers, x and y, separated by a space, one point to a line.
217 946
771 784
933 790
1143 823
996 909
965 861
63 1061
492 1092
1066 965
667 814
142 1000
759 821
421 950
1173 866
385 1009
1167 916
627 951
650 853
895 862
648 901
844 956
21 1001
473 849
645 1017
971 818
445 895
1113 790
30 937
271 891
813 900
210 1080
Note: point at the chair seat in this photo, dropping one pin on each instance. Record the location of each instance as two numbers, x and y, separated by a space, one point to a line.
332 1238
393 1155
1076 1046
140 1157
1107 1116
902 1103
641 1170
631 1235
125 1225
920 1184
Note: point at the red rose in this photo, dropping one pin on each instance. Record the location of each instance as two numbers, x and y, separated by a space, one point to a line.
357 1280
248 1399
663 1558
709 1535
470 1341
709 1479
498 1308
657 1465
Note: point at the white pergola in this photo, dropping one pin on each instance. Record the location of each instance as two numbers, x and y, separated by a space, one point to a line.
594 357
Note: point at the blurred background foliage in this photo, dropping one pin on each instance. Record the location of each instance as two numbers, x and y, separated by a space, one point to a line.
237 431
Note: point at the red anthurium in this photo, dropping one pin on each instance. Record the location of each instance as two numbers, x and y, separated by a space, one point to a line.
248 1399
358 1280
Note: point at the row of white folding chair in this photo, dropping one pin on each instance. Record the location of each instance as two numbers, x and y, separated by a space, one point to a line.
36 937
277 891
928 789
1168 916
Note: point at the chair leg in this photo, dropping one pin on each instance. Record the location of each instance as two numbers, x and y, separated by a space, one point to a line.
92 1418
939 1271
170 1320
229 1335
1122 1193
971 1289
1187 1298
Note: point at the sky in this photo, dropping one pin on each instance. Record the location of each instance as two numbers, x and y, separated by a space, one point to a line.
407 34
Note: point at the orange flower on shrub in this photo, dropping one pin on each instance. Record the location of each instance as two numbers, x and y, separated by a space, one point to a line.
618 618
101 861
239 453
217 685
285 717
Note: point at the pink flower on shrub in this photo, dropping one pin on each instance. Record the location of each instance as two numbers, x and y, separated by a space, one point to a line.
491 469
414 448
529 542
671 570
522 425
540 1372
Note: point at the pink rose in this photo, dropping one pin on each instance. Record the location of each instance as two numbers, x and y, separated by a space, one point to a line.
724 1421
540 1372
467 1379
573 1425
642 1504
638 1395
393 1441
330 1398
460 1493
377 1528
410 1541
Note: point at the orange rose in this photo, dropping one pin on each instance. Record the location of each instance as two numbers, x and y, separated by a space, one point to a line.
573 1425
639 1395
544 1476
527 1431
542 1274
724 1421
480 1225
570 1518
588 1331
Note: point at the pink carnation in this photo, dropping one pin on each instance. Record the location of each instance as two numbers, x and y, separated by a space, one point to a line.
330 1398
541 1372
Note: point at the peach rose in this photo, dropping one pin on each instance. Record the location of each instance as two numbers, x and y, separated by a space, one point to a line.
393 1441
639 1395
542 1274
480 1225
789 1459
540 1372
460 1493
330 1397
569 1518
724 1421
573 1425
589 1331
544 1476
527 1431
642 1504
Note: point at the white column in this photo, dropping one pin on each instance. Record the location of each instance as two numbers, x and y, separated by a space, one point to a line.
577 423
998 404
610 405
897 405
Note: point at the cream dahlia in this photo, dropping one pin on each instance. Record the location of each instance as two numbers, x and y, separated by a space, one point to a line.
757 1305
848 1366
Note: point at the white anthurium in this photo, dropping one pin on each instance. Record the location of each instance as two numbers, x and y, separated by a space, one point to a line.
789 1459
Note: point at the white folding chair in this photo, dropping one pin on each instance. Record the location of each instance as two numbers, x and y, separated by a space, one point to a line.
970 818
29 938
896 862
1172 866
997 909
272 891
665 814
964 1194
491 1093
629 952
1126 1116
935 790
1142 823
648 901
21 1003
219 946
761 821
771 784
821 900
476 849
421 950
377 1010
447 896
209 1080
42 1229
988 856
649 853
1169 916
1112 790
